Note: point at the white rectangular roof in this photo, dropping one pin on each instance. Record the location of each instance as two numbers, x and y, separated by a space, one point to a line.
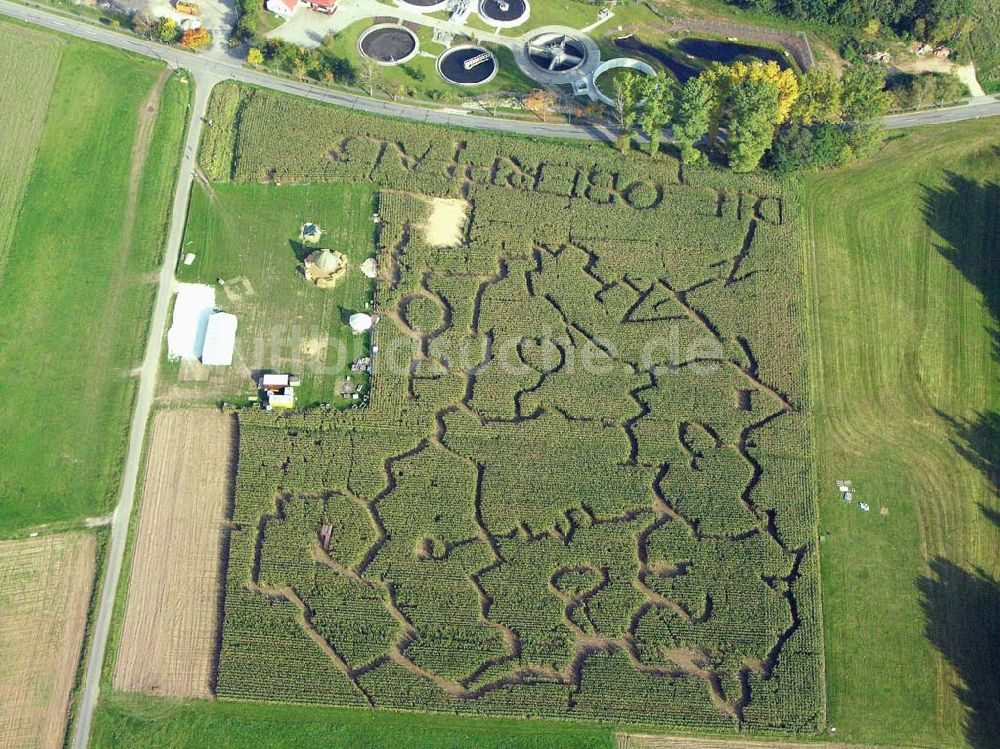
275 380
220 340
193 306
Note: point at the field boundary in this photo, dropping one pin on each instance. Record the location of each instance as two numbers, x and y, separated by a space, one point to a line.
170 629
49 579
626 740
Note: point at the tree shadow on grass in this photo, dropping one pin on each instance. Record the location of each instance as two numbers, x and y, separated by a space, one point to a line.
965 213
962 611
977 440
962 607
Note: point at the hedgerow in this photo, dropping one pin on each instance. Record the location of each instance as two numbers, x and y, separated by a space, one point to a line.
580 488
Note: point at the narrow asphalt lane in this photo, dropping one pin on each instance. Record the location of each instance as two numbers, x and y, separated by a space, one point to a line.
140 416
226 67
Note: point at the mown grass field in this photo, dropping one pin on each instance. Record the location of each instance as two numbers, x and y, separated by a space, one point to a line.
29 80
285 322
903 268
135 720
76 287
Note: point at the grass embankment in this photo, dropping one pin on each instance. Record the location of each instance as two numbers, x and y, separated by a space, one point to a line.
132 720
982 43
903 271
76 289
285 323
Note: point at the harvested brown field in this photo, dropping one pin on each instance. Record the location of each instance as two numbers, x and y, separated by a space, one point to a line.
643 741
171 617
45 588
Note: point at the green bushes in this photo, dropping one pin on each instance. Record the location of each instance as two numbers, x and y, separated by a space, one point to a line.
320 64
581 487
925 89
248 15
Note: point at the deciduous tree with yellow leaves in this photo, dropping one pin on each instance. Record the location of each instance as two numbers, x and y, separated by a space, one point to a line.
769 72
737 90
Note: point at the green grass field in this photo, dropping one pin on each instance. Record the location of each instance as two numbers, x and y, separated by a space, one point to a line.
128 720
28 81
76 286
903 269
285 323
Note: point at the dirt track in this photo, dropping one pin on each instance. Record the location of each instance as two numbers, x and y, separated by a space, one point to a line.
640 741
44 593
171 617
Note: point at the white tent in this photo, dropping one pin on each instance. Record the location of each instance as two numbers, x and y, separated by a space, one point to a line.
360 322
325 260
193 307
220 340
369 267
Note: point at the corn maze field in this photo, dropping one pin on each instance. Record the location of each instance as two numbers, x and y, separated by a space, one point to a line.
581 488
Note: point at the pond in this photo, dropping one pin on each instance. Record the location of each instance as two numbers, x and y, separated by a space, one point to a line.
704 51
680 70
727 53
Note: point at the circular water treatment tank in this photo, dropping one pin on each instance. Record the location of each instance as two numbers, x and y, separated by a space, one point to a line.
388 44
467 65
504 13
602 77
555 52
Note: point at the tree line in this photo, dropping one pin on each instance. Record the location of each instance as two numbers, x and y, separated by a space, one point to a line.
925 19
753 112
168 31
319 63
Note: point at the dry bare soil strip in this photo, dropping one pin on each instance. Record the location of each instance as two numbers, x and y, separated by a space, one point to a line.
44 591
645 741
171 617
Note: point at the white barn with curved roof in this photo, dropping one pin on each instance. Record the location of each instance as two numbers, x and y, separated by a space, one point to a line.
220 340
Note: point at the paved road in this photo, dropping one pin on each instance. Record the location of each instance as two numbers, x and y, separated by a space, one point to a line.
140 417
976 108
226 67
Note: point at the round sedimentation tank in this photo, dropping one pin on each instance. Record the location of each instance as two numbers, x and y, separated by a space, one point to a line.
504 13
388 44
467 65
610 66
555 52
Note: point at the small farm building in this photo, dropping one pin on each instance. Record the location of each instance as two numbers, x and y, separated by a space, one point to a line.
278 382
285 399
310 232
284 8
279 390
220 340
